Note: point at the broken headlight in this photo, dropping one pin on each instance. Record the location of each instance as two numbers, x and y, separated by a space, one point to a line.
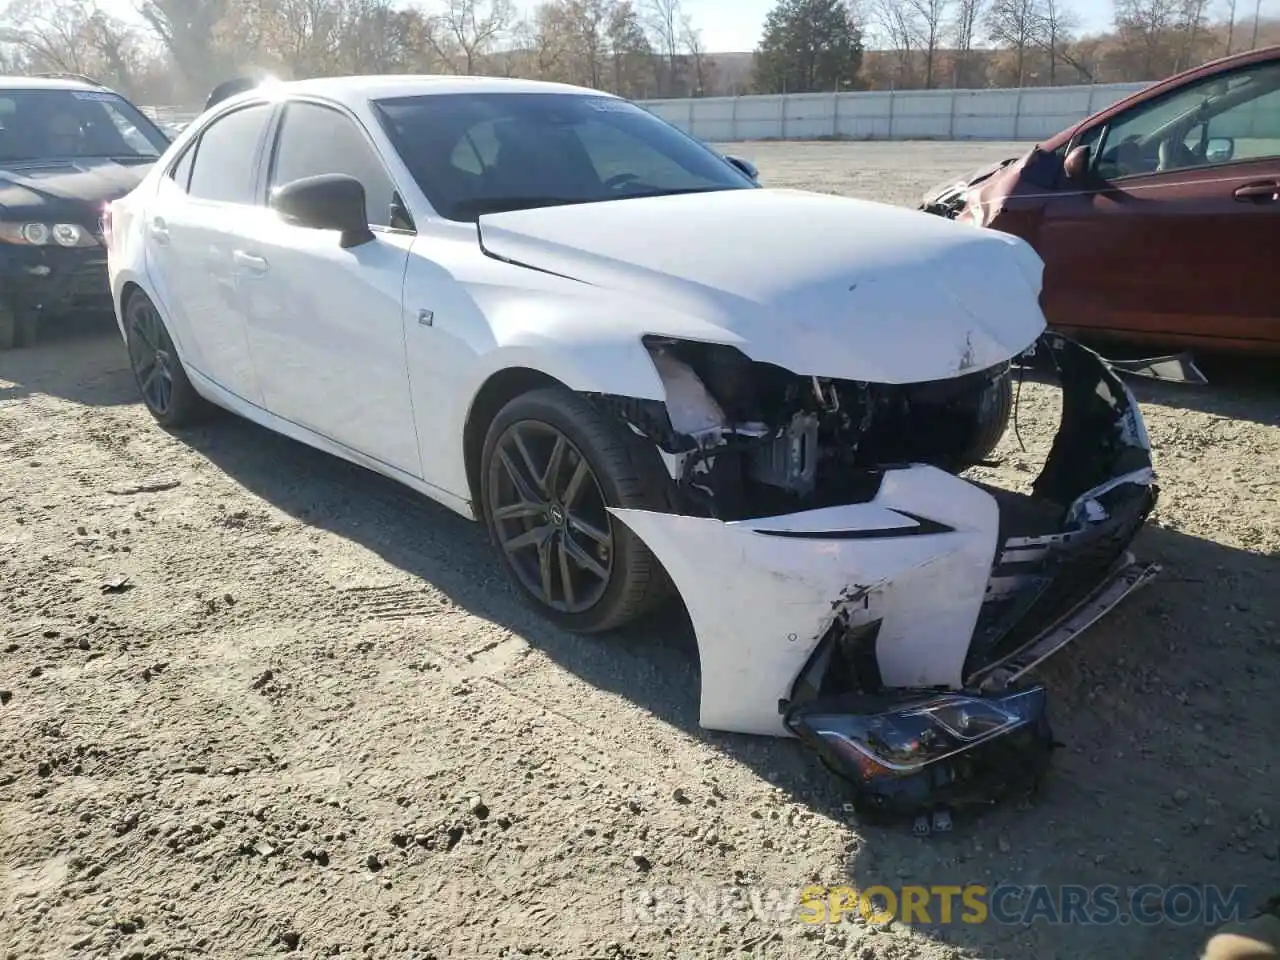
907 755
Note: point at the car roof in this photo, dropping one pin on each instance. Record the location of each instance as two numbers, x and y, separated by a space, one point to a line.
46 83
355 89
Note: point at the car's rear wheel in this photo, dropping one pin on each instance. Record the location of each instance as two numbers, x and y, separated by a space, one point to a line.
166 390
551 466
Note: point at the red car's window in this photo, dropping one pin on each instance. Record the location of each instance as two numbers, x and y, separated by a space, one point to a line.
1216 119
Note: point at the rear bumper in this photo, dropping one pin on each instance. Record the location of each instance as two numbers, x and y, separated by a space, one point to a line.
54 280
933 584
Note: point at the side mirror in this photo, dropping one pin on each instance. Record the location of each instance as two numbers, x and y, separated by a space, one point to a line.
1076 164
746 166
1220 150
331 201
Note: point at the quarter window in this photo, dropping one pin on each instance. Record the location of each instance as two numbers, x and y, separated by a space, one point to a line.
317 140
180 172
225 158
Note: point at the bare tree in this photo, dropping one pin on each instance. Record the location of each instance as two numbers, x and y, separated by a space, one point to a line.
964 33
1191 25
374 36
928 19
299 35
1015 25
899 25
468 31
664 19
116 48
1231 25
1147 30
1056 23
49 34
190 31
544 44
630 52
691 37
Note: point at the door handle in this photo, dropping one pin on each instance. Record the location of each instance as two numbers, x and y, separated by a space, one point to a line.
249 263
159 230
1267 191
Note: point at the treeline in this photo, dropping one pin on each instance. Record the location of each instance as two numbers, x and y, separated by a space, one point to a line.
179 49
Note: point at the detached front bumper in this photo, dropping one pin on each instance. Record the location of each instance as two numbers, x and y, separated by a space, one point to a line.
934 584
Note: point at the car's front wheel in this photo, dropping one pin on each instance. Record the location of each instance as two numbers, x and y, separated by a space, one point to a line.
991 411
552 465
17 326
161 378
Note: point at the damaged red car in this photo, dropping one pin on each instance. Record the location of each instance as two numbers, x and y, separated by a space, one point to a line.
1158 219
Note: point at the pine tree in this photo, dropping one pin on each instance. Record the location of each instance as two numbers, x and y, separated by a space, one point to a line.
808 46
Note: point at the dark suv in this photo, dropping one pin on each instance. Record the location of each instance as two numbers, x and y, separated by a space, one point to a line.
68 146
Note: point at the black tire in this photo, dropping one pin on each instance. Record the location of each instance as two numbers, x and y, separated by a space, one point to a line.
152 354
17 327
627 472
992 414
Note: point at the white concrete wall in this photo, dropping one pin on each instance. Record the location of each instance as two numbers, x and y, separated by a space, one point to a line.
1031 113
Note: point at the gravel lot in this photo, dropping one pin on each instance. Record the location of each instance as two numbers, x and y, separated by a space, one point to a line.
314 719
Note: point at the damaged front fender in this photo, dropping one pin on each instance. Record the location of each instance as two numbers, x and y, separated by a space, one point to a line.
762 593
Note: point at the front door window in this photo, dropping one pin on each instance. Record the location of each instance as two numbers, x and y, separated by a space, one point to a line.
1219 119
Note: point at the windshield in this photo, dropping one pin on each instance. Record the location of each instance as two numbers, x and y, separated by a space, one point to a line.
60 124
477 153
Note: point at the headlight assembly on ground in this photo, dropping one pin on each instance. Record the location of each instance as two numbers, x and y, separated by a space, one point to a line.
906 740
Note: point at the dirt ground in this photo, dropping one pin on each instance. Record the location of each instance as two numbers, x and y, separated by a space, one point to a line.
313 718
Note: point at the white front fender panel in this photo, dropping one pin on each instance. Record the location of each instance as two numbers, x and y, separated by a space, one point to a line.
761 593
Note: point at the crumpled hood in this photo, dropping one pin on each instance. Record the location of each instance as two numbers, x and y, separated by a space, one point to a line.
33 189
821 285
975 177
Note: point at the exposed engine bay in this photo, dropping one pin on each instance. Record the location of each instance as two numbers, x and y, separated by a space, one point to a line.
746 439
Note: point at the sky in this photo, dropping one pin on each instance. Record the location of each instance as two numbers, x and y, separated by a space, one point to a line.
736 25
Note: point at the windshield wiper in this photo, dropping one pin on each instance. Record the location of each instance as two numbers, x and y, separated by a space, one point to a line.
681 191
79 157
125 158
478 208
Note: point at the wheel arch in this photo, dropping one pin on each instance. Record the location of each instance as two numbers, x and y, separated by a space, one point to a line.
128 287
600 364
188 350
496 392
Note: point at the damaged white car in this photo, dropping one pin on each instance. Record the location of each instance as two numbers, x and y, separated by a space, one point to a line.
558 315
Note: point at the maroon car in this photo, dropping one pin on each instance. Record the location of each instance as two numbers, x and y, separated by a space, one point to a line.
1158 219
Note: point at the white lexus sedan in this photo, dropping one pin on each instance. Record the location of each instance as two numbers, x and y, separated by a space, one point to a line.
560 316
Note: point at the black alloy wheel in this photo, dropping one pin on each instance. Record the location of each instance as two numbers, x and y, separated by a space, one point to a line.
161 378
151 355
550 517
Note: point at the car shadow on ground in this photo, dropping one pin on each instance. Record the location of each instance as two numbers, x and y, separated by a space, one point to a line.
1182 677
1183 666
1239 387
78 358
653 664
